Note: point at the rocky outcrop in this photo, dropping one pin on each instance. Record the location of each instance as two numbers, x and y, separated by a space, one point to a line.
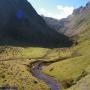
78 11
88 5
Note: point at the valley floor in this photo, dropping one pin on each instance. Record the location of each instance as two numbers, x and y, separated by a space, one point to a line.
14 62
73 73
71 69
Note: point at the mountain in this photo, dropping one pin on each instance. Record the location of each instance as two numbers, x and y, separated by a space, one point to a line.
73 24
52 22
75 71
19 22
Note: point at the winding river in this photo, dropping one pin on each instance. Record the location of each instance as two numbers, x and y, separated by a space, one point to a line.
52 83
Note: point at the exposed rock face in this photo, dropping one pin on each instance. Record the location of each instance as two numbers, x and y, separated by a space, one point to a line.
73 24
78 11
88 5
19 22
53 23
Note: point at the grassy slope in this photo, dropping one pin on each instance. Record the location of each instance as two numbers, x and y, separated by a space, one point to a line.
13 69
15 74
72 69
75 70
10 52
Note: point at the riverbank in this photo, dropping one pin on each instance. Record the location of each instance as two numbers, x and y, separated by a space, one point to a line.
51 82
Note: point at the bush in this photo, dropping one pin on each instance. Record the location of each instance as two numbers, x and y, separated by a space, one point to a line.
67 83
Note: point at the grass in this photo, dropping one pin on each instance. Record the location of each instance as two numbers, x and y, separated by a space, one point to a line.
70 69
15 74
74 73
10 52
18 52
68 72
14 61
13 69
59 53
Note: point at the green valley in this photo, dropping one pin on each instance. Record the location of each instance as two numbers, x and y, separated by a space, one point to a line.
29 48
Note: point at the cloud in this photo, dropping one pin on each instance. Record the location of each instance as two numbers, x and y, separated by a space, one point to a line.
65 10
58 13
45 12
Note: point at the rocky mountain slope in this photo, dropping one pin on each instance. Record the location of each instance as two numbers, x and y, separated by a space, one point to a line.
74 23
19 22
74 73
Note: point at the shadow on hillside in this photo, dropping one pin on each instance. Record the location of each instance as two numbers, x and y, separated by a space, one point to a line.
38 44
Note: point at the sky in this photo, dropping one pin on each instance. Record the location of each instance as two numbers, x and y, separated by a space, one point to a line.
56 8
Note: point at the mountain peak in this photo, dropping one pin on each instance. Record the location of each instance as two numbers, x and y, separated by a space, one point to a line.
78 10
81 9
88 4
19 22
70 26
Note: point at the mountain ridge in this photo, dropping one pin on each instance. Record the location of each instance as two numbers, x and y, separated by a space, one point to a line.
70 26
21 23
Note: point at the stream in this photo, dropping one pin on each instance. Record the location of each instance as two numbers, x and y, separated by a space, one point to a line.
51 82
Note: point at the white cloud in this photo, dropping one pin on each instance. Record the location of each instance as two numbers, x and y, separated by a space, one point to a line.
65 10
61 12
45 12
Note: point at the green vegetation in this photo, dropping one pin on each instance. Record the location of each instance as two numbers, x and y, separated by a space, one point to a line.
10 52
74 73
14 61
72 70
15 74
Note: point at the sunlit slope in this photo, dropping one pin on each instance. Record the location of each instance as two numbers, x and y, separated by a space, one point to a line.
74 70
79 21
74 73
73 24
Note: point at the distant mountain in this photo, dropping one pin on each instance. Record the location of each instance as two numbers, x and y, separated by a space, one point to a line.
53 23
73 24
19 22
